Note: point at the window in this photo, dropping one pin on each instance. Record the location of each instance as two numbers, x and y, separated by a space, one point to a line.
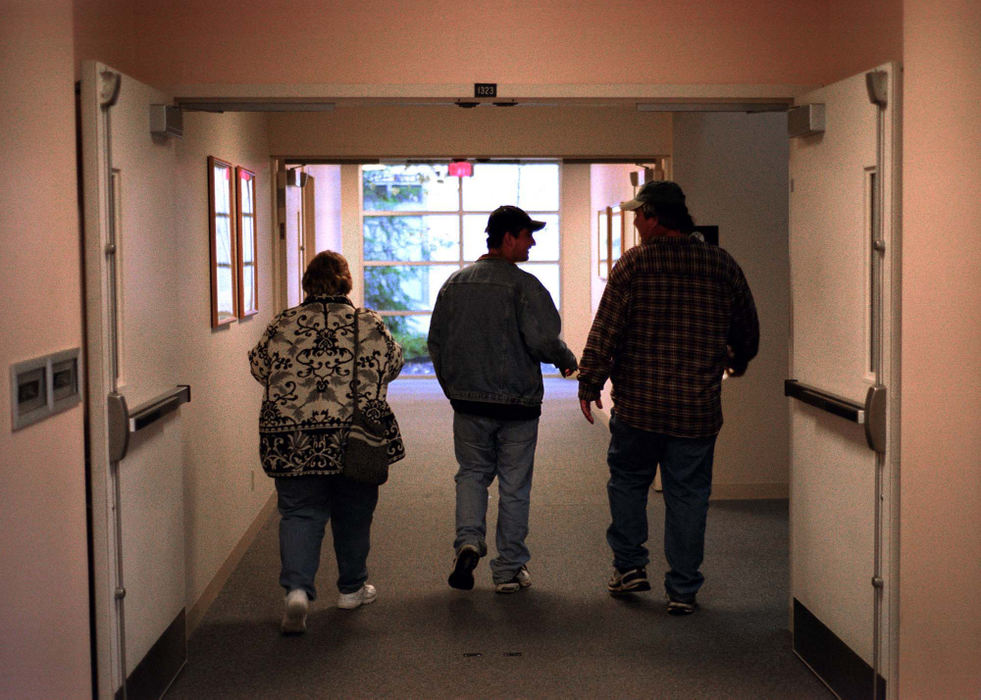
420 225
221 202
248 282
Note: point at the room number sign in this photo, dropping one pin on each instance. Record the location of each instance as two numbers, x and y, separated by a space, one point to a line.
485 89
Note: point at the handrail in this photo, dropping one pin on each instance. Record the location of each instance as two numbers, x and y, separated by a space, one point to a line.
154 409
849 410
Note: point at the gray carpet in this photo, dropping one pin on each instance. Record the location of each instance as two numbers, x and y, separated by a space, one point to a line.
563 637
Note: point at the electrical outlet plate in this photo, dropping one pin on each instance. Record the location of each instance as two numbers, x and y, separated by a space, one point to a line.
44 386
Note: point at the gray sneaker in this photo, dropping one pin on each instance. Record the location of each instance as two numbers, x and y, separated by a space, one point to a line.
295 615
522 579
363 596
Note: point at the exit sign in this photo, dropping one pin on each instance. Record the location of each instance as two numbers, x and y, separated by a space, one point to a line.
460 168
485 89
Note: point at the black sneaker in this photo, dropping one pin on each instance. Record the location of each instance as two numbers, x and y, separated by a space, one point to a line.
677 606
463 566
631 581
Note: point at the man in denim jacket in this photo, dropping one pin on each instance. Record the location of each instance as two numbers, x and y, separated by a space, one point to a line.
493 325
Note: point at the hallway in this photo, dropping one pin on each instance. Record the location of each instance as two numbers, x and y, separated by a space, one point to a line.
563 637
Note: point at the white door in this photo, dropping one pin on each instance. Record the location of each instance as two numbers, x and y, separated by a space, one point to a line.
299 244
843 264
136 469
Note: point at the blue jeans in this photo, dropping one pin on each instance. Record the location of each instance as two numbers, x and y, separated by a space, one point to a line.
488 448
306 503
686 475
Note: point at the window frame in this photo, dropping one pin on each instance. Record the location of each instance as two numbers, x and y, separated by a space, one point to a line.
459 214
222 313
246 178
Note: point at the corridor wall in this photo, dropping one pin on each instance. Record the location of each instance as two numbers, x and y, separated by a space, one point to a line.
43 552
224 487
734 170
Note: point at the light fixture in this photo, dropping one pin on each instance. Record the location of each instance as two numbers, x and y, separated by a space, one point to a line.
236 104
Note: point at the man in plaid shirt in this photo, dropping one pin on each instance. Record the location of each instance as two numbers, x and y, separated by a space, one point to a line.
676 315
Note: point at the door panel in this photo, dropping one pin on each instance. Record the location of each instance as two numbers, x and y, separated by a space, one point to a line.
843 307
829 242
131 283
832 494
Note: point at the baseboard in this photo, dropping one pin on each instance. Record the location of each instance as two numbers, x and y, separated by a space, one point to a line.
841 669
207 597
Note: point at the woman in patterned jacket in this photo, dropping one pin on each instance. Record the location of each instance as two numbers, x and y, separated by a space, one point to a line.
304 362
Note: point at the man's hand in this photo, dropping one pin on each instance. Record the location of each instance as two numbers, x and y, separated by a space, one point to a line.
734 368
586 410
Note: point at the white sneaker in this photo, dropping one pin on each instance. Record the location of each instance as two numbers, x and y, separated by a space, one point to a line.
363 596
295 616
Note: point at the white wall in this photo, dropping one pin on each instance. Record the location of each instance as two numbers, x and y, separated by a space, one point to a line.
733 168
225 488
44 620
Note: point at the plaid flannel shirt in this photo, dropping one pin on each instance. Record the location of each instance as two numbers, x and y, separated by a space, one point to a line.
670 308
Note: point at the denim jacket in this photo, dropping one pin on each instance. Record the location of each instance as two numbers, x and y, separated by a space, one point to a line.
492 326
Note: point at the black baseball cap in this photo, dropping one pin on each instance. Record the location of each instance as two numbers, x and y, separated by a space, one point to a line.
511 219
655 192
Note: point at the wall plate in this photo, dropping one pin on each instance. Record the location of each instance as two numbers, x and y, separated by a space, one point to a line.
44 386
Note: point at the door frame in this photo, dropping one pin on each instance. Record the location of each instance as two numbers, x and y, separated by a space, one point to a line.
108 655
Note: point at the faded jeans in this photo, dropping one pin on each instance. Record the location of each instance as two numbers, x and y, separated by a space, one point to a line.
686 476
306 503
487 448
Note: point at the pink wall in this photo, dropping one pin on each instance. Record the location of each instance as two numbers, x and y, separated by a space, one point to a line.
105 31
548 42
861 34
44 633
940 632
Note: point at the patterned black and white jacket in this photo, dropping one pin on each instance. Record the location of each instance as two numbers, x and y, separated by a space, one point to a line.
304 361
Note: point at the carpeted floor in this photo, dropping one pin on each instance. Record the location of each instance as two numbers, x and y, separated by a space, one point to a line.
563 637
